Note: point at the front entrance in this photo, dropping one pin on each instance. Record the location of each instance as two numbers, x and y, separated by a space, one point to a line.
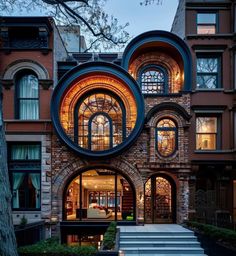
160 200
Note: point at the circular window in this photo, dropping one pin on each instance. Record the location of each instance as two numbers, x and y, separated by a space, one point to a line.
97 109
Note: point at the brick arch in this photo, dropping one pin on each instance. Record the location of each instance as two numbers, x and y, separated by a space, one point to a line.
161 59
70 171
19 65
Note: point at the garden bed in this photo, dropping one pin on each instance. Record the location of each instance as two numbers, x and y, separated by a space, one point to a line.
215 241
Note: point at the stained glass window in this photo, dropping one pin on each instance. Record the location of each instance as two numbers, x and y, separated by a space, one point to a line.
166 137
100 122
163 198
153 81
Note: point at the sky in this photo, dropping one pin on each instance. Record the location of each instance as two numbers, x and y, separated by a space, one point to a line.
143 18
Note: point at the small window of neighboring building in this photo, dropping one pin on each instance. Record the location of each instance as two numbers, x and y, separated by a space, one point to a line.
25 175
207 133
206 23
154 80
208 72
27 96
166 137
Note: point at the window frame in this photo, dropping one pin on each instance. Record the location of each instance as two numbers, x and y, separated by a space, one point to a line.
175 129
166 79
216 24
27 167
218 73
76 119
218 131
17 79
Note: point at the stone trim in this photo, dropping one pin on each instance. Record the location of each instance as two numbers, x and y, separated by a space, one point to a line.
46 83
19 65
7 83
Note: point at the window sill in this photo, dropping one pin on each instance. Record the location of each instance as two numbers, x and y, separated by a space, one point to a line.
217 151
209 90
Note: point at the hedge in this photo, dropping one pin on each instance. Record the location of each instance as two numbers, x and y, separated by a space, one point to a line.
214 232
51 247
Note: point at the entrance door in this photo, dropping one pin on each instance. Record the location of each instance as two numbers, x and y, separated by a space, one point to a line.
159 200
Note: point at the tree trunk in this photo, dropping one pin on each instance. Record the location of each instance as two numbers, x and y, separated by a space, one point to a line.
7 235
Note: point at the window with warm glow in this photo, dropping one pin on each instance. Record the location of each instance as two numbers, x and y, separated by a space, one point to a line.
100 122
206 133
208 72
206 23
166 137
153 80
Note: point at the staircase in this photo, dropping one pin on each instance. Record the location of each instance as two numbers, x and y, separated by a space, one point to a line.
158 239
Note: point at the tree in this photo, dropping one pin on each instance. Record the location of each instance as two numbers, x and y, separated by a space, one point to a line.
7 235
102 30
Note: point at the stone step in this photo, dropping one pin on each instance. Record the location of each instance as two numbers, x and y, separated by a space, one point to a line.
156 233
150 244
162 250
157 238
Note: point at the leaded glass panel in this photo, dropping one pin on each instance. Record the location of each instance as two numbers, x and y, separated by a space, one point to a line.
100 122
153 81
166 137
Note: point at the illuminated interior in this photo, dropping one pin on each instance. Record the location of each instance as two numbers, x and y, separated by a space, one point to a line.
166 137
171 62
98 112
206 133
158 200
99 194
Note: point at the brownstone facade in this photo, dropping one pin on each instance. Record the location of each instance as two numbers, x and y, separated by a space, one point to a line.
202 180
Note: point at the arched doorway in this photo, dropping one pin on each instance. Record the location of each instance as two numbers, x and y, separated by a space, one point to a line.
160 200
99 194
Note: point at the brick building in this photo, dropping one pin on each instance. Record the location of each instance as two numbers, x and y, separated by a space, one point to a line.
147 135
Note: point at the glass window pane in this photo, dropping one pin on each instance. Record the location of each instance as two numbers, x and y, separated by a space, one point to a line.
106 127
25 152
206 18
166 142
205 81
207 65
206 141
206 125
206 29
29 109
153 81
28 87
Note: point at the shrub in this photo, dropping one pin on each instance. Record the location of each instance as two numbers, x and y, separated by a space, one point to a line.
51 247
214 232
110 236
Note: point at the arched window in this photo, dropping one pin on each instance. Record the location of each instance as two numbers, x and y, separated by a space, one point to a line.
153 80
166 137
100 121
27 96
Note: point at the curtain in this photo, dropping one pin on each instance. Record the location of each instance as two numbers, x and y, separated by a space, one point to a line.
28 97
35 178
17 181
25 152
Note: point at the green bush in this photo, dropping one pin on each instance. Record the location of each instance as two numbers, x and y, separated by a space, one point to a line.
110 236
214 232
51 247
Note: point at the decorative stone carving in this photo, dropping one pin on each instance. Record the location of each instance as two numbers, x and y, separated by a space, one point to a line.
46 83
7 84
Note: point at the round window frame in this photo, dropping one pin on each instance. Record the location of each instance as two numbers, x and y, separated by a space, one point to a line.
84 70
